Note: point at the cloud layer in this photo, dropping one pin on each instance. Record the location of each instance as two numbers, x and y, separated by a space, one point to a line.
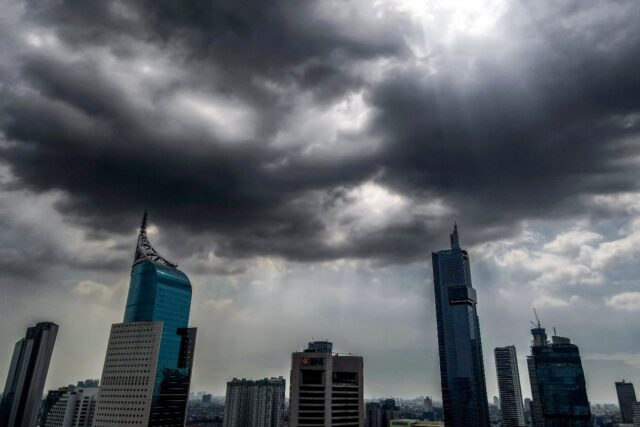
294 150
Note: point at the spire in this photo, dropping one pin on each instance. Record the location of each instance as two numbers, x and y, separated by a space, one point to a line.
455 242
143 226
144 250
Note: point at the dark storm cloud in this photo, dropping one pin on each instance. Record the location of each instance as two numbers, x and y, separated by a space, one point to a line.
497 136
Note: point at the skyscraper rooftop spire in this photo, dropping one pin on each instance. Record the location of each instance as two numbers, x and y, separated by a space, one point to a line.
455 241
144 250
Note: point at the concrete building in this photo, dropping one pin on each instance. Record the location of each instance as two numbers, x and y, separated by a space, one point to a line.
75 408
510 400
147 369
626 398
464 391
22 397
259 403
326 388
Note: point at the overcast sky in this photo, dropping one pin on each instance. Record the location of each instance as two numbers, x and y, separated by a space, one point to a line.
300 160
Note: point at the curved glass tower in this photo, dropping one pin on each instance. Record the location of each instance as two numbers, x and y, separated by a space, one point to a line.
158 344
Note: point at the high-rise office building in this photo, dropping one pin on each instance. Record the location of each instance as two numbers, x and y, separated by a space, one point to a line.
147 369
250 403
509 387
464 391
558 387
626 398
326 389
75 408
27 374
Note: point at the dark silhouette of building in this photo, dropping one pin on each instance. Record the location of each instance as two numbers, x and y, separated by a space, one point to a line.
155 332
464 391
626 398
558 386
326 389
509 387
22 395
374 415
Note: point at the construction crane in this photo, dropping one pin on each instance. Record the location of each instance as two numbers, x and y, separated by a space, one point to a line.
537 323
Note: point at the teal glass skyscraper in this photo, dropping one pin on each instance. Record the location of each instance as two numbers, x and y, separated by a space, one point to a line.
464 391
558 386
154 331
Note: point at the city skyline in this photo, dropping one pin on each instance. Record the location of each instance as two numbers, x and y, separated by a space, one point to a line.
301 160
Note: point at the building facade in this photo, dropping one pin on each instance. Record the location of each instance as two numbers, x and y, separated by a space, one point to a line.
464 391
510 401
636 414
75 408
22 395
147 369
326 388
558 386
250 403
626 398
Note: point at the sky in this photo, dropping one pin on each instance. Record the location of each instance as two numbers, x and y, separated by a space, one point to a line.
301 160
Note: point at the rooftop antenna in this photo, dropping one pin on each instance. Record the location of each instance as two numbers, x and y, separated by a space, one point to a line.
143 226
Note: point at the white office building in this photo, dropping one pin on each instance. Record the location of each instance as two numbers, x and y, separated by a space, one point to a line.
75 408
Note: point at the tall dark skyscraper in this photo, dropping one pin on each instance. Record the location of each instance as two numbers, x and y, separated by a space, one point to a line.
464 391
558 387
27 374
626 398
147 370
509 387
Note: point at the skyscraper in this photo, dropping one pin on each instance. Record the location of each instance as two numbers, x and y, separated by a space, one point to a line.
27 374
251 403
509 387
558 387
464 391
147 369
326 389
626 399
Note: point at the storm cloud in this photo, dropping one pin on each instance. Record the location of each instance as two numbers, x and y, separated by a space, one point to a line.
319 137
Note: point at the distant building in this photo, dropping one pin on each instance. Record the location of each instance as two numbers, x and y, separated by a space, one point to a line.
626 398
428 404
416 423
510 401
206 398
373 416
258 403
75 408
52 398
147 369
326 389
389 411
557 381
464 390
22 395
636 414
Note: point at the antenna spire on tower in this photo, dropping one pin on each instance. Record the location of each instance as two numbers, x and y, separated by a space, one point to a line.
143 225
455 240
